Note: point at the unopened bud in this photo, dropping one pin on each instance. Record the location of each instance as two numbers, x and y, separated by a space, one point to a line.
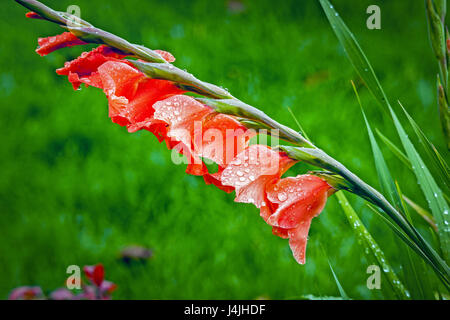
436 31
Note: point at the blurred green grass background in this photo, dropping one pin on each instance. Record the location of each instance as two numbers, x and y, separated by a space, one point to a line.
76 189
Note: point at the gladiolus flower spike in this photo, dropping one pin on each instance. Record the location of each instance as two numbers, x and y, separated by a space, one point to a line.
148 94
159 106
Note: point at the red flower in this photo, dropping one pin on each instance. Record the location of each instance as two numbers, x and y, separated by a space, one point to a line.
131 94
294 201
252 170
101 289
84 69
196 131
50 44
96 274
26 293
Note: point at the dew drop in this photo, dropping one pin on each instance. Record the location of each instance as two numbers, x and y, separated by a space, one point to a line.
282 196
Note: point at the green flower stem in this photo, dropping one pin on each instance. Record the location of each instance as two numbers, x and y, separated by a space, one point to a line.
182 79
436 11
238 108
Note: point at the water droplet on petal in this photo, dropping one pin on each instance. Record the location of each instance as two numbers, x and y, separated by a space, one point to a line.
282 196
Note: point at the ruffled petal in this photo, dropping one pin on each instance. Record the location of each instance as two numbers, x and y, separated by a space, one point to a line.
50 44
166 55
215 179
33 15
84 69
252 170
157 127
298 238
223 138
294 202
298 198
131 94
96 274
184 115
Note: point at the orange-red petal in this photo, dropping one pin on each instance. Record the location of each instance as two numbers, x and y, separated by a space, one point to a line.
131 94
184 116
33 15
84 69
166 55
298 238
222 138
297 199
215 179
252 169
50 44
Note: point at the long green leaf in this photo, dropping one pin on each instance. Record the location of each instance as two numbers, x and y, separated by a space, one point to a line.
372 247
389 187
355 53
428 217
384 176
441 165
338 284
400 155
417 267
394 149
365 70
430 189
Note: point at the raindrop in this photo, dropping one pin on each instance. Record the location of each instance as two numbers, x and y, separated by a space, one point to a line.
282 196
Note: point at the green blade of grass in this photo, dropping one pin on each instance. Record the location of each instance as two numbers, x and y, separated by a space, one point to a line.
372 247
365 70
338 284
428 217
416 266
384 176
355 53
394 149
400 155
390 188
441 165
430 189
344 295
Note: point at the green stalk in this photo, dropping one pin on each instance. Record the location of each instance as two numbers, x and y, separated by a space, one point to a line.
436 11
